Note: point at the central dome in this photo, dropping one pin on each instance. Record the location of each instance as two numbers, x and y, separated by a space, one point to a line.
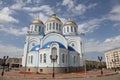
54 18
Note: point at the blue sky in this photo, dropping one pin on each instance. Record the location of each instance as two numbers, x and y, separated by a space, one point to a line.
98 19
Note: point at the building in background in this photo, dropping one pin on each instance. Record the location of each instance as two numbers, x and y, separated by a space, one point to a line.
91 65
113 58
14 63
52 37
11 64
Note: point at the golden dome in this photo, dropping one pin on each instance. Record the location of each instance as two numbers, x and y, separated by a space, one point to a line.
54 18
37 21
70 22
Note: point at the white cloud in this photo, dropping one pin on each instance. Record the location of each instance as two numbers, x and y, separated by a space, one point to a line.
114 14
31 9
33 1
19 1
68 3
1 2
116 9
77 9
92 5
81 8
96 46
117 26
45 8
89 26
14 31
17 6
42 16
29 1
5 15
9 50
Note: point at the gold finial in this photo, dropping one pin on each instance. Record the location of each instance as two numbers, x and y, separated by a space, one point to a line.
54 13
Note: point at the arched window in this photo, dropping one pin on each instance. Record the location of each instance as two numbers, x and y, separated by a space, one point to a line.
42 29
54 51
50 27
67 29
31 28
39 28
75 29
53 25
63 58
36 28
40 58
56 26
47 25
44 58
31 59
59 28
66 58
50 24
74 59
71 29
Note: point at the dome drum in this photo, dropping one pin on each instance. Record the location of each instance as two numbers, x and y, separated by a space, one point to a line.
53 27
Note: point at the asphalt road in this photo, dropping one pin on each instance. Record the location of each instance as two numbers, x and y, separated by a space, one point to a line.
92 75
111 77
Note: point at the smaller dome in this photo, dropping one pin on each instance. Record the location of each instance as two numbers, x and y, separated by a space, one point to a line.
37 21
54 18
70 22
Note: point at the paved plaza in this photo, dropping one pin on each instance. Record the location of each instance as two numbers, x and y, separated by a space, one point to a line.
91 75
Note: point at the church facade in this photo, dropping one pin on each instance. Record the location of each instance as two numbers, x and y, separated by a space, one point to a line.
52 38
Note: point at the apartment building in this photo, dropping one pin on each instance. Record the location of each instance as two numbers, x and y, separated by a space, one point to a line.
113 58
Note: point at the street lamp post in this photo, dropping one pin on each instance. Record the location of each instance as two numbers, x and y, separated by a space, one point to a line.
4 63
28 32
38 62
82 52
114 61
100 59
53 58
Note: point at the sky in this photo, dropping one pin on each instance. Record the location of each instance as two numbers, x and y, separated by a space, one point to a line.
98 19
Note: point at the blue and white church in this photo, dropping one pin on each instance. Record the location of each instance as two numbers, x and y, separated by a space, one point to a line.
52 38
